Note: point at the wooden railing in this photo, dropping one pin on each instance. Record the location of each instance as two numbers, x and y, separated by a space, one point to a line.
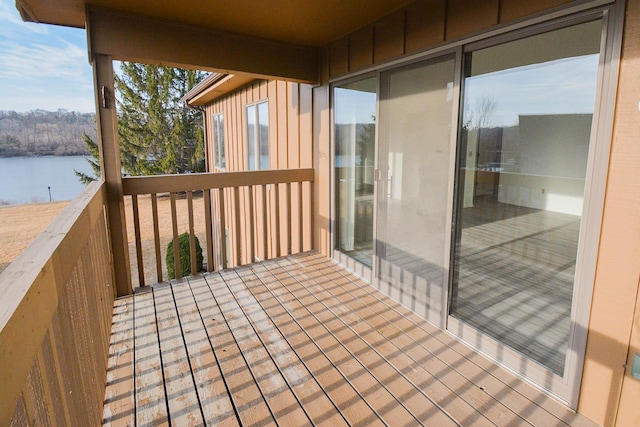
56 302
240 217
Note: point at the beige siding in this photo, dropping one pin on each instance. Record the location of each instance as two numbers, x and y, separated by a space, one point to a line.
607 381
289 148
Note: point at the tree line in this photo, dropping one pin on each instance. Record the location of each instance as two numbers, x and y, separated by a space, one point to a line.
45 133
157 133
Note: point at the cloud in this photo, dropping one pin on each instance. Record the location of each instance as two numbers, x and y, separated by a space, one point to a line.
11 22
37 60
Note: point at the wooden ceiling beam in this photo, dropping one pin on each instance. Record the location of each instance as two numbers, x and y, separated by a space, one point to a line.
127 37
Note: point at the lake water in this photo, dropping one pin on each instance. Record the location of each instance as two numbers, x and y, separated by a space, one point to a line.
26 179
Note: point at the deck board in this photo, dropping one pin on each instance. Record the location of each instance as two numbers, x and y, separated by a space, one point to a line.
301 341
150 397
119 404
214 397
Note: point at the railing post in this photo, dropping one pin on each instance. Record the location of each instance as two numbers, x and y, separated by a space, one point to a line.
110 167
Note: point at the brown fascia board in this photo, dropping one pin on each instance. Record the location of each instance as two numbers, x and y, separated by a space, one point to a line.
25 12
215 86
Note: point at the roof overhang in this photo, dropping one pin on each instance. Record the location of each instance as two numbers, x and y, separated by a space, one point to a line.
302 22
213 87
261 38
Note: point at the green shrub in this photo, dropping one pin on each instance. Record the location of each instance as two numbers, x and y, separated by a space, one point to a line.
185 256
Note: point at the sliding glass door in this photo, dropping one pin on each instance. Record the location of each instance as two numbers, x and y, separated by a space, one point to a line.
523 151
463 182
416 117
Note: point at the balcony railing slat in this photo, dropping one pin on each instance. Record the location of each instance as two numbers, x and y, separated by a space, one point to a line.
192 236
136 228
252 225
276 192
300 219
156 235
176 242
265 216
209 229
289 224
223 228
238 234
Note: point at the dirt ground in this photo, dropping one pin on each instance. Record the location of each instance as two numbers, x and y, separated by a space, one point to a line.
21 224
165 228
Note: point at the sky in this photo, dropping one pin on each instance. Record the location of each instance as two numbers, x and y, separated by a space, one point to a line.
42 66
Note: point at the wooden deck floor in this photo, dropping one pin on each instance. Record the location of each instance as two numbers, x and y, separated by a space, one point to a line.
300 341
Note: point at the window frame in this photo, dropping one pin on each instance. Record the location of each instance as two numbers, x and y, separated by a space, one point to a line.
254 140
219 151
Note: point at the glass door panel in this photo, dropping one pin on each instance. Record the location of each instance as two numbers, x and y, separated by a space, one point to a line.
414 161
524 143
355 139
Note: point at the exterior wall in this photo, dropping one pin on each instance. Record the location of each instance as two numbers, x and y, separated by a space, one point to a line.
607 389
289 148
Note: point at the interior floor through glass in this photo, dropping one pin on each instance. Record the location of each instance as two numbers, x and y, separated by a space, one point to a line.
511 286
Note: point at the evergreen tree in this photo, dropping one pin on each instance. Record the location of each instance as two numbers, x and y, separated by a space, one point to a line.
158 135
94 161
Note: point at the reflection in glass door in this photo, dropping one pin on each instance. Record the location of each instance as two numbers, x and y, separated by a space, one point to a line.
524 144
355 139
416 114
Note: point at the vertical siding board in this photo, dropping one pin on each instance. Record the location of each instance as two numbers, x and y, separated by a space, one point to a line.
425 24
293 143
389 37
339 57
54 383
20 417
35 398
282 115
361 49
69 366
306 129
293 134
465 17
272 93
322 173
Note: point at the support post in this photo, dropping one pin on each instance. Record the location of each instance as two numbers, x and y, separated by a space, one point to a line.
110 168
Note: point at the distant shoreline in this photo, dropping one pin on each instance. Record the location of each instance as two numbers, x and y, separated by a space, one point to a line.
45 155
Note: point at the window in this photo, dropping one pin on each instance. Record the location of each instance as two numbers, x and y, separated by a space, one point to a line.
258 136
219 160
355 129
